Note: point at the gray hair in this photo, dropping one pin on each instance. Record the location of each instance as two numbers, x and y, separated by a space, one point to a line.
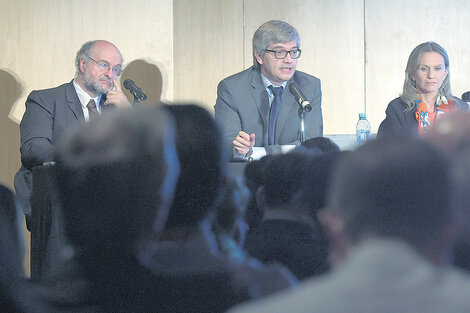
273 31
410 92
83 53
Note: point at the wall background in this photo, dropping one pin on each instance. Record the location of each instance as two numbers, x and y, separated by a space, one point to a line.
178 50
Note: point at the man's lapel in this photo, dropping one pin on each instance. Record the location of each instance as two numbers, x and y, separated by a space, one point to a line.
73 102
260 97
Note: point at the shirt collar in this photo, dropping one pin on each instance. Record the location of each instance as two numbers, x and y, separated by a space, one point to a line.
85 97
267 83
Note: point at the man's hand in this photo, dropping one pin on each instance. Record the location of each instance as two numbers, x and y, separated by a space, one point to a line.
117 97
243 143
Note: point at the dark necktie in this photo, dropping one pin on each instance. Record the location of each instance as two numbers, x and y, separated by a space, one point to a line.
92 110
274 112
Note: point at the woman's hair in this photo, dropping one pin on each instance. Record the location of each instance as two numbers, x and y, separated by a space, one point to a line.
410 92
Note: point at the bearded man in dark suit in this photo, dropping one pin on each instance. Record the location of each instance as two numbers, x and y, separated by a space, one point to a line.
50 112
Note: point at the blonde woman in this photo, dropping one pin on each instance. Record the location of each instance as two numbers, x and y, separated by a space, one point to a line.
426 94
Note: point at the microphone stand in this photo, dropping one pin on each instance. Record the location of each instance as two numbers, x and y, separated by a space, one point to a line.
136 99
302 113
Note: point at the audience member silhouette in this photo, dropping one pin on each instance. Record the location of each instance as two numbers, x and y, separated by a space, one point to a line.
115 179
452 136
12 228
15 295
196 275
294 191
253 174
228 222
392 225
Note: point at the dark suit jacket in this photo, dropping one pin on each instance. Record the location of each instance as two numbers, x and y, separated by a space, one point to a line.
399 122
49 113
243 104
297 245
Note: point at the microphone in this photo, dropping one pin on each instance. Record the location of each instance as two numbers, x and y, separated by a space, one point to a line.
299 97
466 96
134 90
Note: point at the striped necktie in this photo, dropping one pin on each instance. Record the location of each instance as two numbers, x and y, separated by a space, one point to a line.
92 110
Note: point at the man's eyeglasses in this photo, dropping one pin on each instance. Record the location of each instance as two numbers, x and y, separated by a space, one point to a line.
281 54
103 65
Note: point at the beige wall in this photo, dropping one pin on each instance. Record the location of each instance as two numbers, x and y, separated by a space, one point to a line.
208 45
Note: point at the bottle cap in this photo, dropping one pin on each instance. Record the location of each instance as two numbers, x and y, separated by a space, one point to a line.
362 115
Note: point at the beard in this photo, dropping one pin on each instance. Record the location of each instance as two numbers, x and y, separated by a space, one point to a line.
94 85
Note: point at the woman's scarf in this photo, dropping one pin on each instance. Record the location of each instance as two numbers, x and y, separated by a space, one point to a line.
425 118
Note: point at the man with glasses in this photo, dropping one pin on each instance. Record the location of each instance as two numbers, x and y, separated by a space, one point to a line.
259 116
50 112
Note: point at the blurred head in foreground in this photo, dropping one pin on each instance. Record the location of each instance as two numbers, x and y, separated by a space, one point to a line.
396 188
116 177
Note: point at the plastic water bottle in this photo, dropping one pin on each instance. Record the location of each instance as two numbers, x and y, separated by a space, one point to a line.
362 129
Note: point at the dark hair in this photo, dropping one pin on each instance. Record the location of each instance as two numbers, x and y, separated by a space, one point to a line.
318 145
201 155
253 174
281 178
300 181
397 187
314 182
253 171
